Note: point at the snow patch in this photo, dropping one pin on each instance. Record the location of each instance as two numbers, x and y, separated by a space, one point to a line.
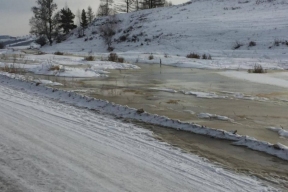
282 132
214 116
204 95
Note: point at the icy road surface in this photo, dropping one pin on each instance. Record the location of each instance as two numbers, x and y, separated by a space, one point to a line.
49 146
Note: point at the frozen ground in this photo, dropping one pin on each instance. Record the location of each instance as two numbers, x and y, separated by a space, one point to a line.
50 146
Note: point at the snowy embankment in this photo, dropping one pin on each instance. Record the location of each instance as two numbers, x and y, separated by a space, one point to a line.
120 111
49 146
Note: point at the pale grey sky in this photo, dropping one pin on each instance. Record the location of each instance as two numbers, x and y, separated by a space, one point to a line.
15 14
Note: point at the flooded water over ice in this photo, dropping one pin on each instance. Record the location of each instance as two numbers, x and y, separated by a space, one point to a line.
251 108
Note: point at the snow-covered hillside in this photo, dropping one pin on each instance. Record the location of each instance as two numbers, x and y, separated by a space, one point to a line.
202 26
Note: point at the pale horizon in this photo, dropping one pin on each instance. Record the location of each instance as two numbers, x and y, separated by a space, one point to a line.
15 14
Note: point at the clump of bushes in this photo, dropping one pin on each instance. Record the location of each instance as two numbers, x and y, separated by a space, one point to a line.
11 69
121 59
151 57
41 41
193 56
279 42
252 44
54 68
257 69
89 58
204 56
114 58
58 53
237 45
2 46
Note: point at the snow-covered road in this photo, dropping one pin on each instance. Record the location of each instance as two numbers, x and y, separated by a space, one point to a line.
51 146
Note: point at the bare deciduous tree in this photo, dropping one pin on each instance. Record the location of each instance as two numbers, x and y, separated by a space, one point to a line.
43 22
90 15
126 6
105 8
108 30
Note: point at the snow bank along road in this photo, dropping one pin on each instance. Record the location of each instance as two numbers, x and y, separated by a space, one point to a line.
51 146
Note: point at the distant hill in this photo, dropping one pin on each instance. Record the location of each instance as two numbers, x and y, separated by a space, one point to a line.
16 41
198 25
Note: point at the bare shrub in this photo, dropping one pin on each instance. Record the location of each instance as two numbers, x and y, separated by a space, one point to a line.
54 68
123 38
108 30
151 57
11 68
243 1
252 44
121 60
277 42
89 58
58 53
41 41
208 57
237 45
193 56
257 69
2 46
113 57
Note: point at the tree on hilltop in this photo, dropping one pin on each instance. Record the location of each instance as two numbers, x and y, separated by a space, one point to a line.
44 23
90 15
66 20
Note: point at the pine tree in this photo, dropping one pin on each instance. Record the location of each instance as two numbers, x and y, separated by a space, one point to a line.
90 14
43 23
84 21
66 20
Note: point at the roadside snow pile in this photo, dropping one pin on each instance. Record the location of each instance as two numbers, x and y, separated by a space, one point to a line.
282 132
120 111
214 116
203 95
